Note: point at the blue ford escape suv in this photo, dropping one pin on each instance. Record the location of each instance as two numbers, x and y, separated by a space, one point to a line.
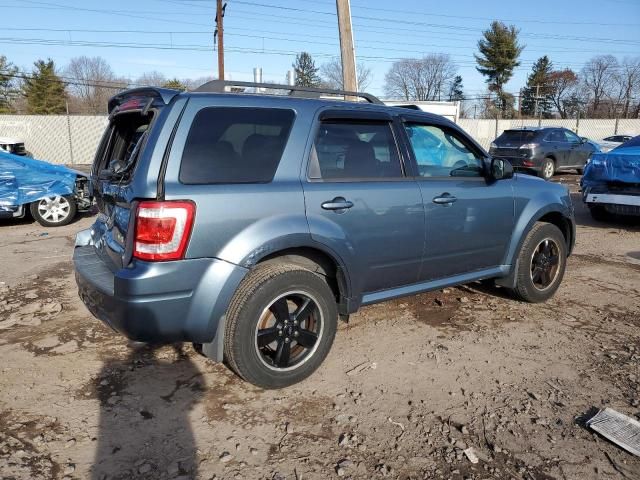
248 223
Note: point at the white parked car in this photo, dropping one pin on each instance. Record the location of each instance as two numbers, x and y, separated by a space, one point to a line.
614 141
13 145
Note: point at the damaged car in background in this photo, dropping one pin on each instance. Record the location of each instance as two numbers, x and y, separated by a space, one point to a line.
611 182
52 194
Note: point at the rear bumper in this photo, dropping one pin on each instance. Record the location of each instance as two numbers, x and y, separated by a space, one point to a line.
180 301
615 203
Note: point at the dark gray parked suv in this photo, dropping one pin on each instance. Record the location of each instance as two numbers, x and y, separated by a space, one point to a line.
247 224
544 150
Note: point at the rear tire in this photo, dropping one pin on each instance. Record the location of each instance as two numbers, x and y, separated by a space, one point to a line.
280 325
54 211
541 263
548 168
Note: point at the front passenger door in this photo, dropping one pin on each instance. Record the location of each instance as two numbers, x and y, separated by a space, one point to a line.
360 203
469 219
579 151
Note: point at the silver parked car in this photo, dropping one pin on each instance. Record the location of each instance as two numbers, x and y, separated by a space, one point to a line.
609 143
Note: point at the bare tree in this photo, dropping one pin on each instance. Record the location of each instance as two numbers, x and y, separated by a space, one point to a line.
628 80
151 79
562 84
331 74
193 83
92 83
419 79
598 78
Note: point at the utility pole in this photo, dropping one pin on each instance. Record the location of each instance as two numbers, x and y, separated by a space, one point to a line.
537 98
347 50
219 34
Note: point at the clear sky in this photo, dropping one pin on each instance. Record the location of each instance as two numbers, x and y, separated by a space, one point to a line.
175 37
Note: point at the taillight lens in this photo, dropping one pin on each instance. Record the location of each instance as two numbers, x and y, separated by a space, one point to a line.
163 230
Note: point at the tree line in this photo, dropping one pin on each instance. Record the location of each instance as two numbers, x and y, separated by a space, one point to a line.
85 85
605 87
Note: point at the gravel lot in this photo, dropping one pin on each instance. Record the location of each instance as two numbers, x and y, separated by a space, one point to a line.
408 386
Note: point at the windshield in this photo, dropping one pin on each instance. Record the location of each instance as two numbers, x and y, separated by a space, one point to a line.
634 142
516 136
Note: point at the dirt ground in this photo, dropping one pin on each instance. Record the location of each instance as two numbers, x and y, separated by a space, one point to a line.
408 386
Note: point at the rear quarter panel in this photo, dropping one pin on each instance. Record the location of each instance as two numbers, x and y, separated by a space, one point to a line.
241 223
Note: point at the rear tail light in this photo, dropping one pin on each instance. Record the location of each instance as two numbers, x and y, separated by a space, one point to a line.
163 230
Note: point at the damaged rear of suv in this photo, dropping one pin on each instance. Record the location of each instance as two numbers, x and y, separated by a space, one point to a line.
248 223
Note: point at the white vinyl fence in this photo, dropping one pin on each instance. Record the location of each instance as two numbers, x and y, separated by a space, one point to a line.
73 139
485 131
65 139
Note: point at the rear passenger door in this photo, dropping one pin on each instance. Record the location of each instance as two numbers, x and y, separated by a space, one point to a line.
360 203
556 144
469 218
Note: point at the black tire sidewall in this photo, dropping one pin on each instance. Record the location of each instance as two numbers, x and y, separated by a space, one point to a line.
73 208
525 288
245 357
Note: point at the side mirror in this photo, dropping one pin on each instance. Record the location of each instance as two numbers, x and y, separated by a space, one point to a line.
584 140
501 169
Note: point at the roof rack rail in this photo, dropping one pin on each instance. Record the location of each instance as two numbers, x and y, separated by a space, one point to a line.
220 86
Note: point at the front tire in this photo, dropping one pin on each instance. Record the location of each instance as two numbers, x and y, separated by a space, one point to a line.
54 211
280 325
548 168
541 263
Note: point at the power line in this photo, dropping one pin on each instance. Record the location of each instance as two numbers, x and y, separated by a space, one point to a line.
490 19
455 27
265 35
412 22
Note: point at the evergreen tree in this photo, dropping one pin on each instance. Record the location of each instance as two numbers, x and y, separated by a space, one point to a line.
499 52
456 89
175 84
44 90
306 71
7 84
538 84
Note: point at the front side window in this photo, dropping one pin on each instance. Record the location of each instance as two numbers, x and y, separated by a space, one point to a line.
235 145
570 137
354 150
441 152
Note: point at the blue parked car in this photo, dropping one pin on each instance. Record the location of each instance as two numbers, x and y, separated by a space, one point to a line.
248 224
53 194
611 182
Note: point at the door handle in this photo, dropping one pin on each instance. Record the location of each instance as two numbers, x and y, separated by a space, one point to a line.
337 203
444 199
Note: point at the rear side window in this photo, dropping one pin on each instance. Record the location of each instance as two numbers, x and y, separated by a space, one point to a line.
354 150
235 145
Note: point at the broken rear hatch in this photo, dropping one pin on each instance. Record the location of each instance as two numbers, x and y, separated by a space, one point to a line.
124 171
